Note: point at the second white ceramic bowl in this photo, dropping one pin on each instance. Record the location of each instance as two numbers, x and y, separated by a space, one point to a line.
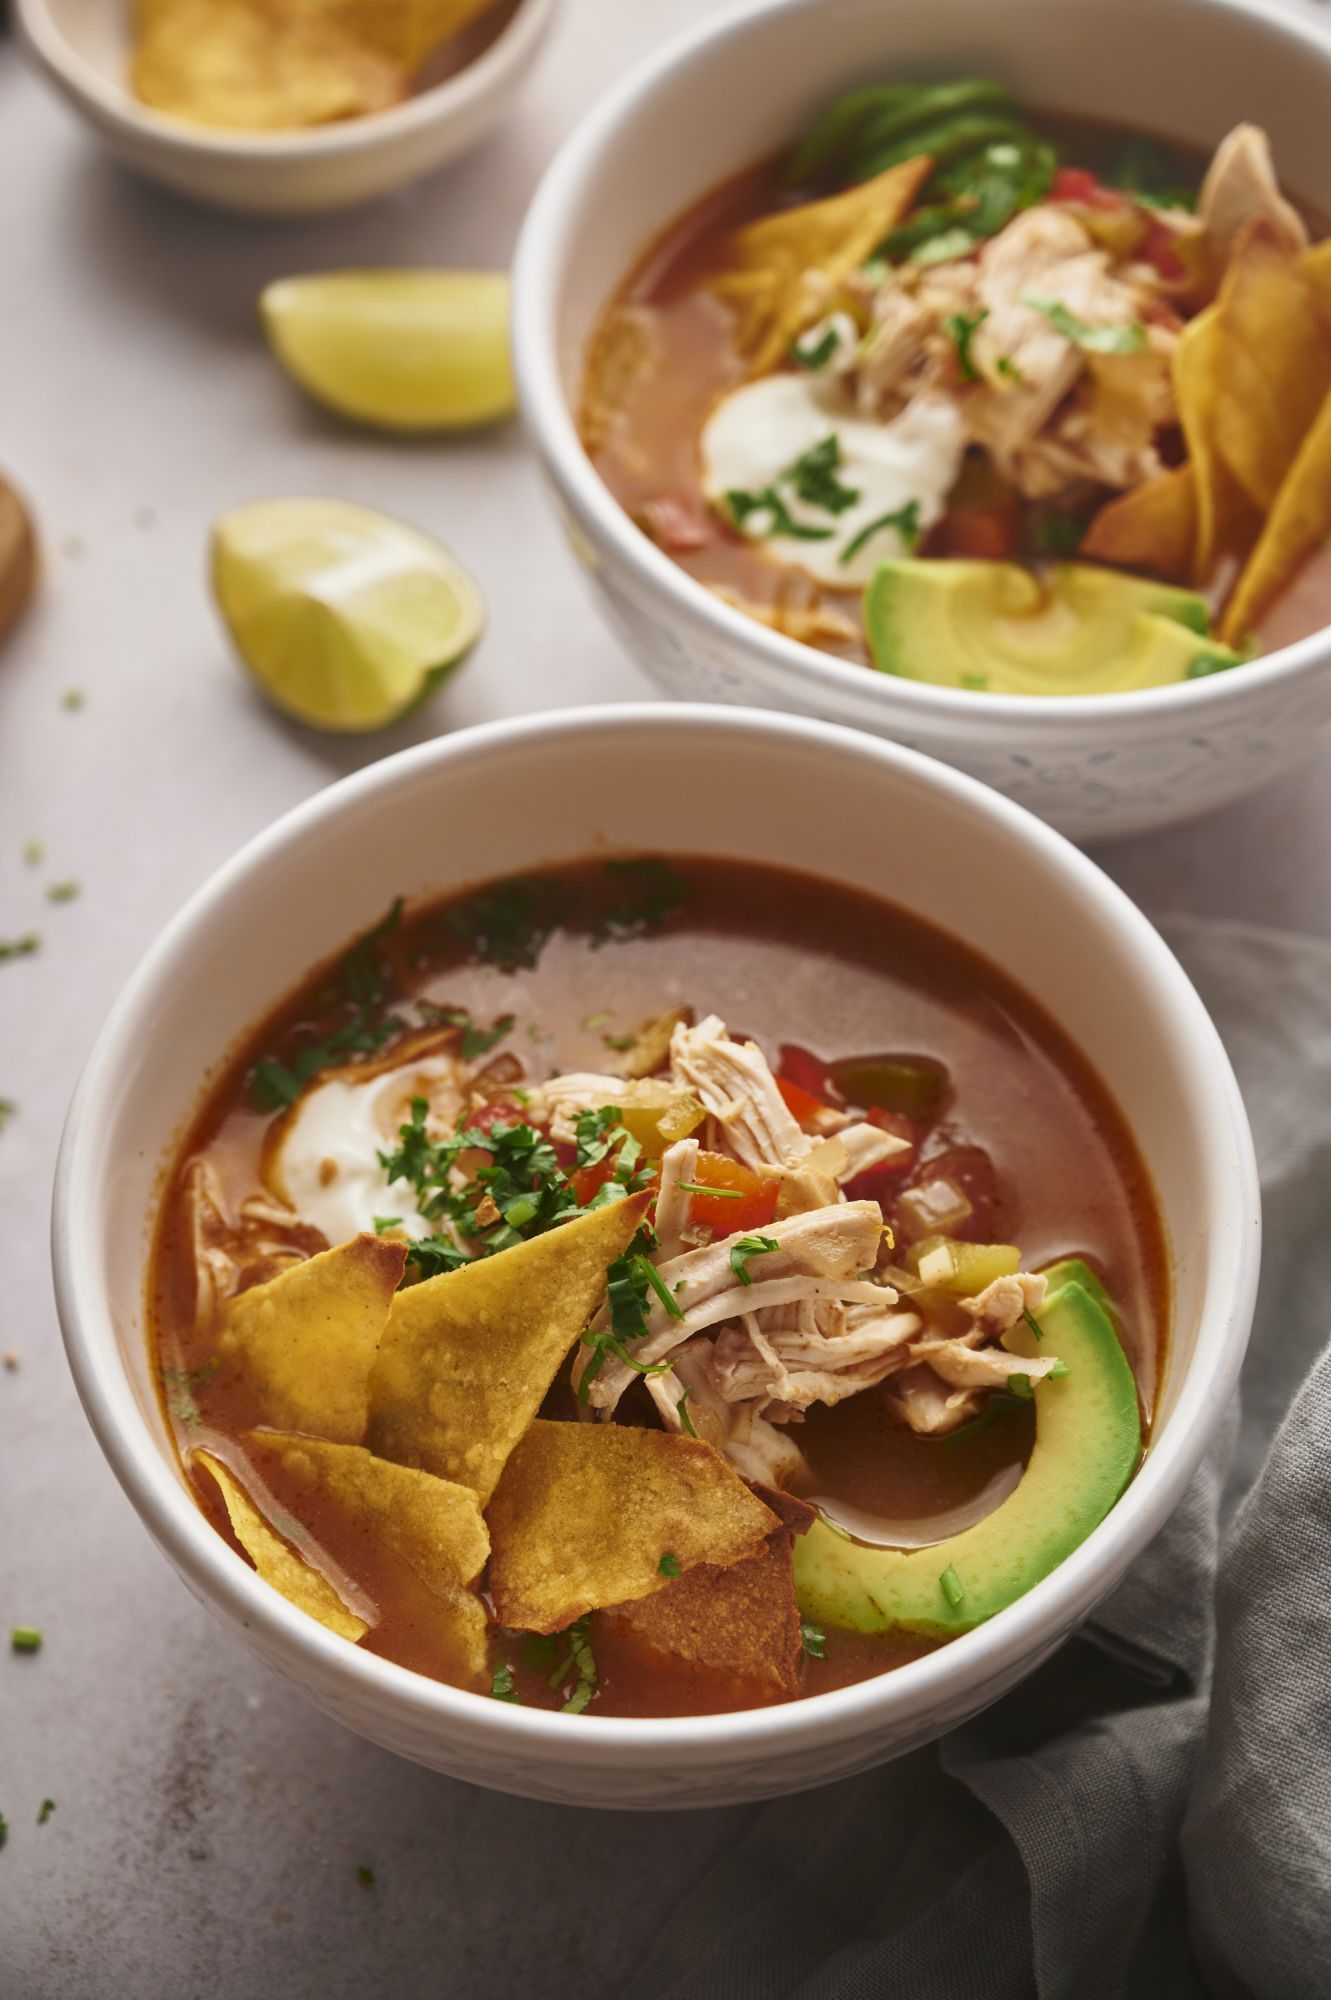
83 47
693 780
737 91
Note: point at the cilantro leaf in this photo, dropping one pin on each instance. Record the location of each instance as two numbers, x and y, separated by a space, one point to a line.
747 1247
813 1640
1106 338
501 1684
668 1566
962 328
508 925
906 521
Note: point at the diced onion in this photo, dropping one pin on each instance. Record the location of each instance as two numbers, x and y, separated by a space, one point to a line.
933 1209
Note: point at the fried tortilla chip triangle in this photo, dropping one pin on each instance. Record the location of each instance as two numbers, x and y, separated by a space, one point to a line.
253 65
1275 362
1152 526
786 266
405 31
467 1357
277 1563
1298 523
741 1619
431 1525
584 1514
307 1339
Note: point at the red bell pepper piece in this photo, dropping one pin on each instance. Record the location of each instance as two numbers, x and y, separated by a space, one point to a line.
750 1200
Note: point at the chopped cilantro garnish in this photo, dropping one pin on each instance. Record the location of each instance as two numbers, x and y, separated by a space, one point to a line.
1020 1387
362 985
595 1021
813 1639
508 925
1032 1322
747 1247
763 514
579 1656
383 1222
62 892
647 891
619 1042
365 1876
659 1286
714 1193
1204 664
814 354
180 1384
1005 365
1107 338
813 476
20 947
962 327
1148 172
501 1683
668 1565
44 1811
951 1586
25 1639
475 1041
1059 1369
682 1412
906 521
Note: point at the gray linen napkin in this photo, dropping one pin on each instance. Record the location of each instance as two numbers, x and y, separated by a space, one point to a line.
1149 1814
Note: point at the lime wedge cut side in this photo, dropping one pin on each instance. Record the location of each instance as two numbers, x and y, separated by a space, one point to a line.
345 617
403 350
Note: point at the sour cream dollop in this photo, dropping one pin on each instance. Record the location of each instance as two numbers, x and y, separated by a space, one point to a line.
326 1165
756 435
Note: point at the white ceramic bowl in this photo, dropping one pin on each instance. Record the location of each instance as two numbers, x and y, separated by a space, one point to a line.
83 47
687 779
740 89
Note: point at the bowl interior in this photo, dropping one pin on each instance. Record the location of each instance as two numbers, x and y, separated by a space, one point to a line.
803 795
1187 69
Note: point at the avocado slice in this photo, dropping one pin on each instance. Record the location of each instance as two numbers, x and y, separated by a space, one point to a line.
1087 1445
1071 629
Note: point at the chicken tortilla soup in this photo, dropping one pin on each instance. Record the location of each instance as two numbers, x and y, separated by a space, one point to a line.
1009 403
657 1287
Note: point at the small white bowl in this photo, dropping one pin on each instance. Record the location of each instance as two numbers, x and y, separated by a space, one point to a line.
737 91
695 780
83 46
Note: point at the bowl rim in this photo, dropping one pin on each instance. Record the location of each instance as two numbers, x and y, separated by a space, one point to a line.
553 220
236 1592
115 103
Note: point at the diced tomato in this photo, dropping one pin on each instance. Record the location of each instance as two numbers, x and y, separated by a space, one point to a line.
803 1106
1158 248
500 1111
1080 185
588 1181
979 531
757 1195
676 525
806 1071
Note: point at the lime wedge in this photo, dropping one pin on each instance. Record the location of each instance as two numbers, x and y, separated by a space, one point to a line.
405 350
346 618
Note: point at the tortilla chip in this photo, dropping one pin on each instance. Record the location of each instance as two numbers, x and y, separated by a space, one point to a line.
1152 527
431 1525
405 31
467 1357
256 65
742 1619
1298 523
279 1565
585 1512
787 265
307 1339
1226 519
1275 362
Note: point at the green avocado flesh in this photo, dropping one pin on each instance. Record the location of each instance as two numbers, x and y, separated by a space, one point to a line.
1087 1445
1072 629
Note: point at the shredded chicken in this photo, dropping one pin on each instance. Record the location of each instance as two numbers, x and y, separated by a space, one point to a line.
817 1255
868 1146
921 1400
678 1164
558 1101
967 1367
755 1448
790 1367
1001 1304
737 1087
1241 185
